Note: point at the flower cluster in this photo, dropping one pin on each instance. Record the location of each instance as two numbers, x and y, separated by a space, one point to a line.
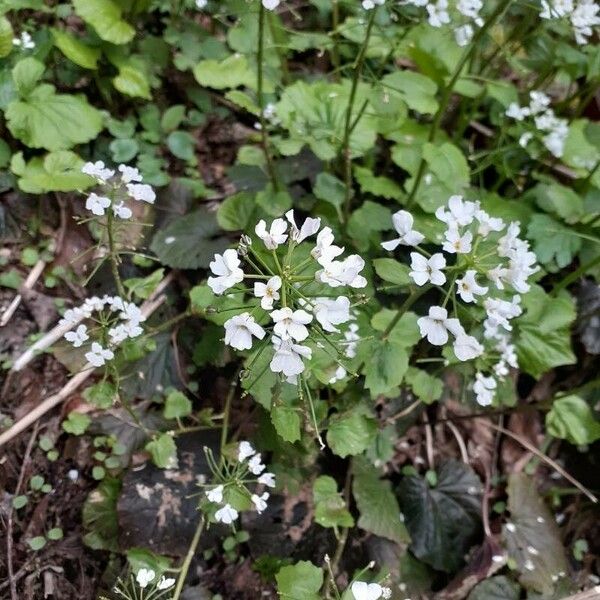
462 15
232 493
553 130
582 14
362 590
25 41
118 190
116 320
270 4
472 240
290 293
145 580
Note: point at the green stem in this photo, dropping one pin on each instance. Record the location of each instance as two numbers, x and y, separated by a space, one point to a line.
114 260
185 567
407 304
447 92
261 100
347 126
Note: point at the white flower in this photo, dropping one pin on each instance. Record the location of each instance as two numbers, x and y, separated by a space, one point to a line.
351 336
129 174
227 268
255 465
276 234
245 450
499 312
538 102
366 591
98 171
240 329
165 583
78 336
131 312
215 494
288 357
309 227
270 4
459 214
516 112
226 515
144 577
97 204
290 323
267 479
456 243
141 192
463 35
24 41
525 139
466 347
436 326
339 374
325 251
260 501
427 269
330 312
371 4
346 272
268 292
484 388
122 211
97 356
469 8
403 222
556 9
488 224
201 4
438 15
468 287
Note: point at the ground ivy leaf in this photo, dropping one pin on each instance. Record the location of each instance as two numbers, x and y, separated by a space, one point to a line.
330 508
132 82
425 386
378 186
235 212
230 73
443 521
177 405
286 421
387 364
571 418
418 91
392 270
554 244
301 581
190 241
350 433
163 450
532 537
377 505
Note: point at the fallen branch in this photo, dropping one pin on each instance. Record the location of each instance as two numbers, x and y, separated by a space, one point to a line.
150 306
31 280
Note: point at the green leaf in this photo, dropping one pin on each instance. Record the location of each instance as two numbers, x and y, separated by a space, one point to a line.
6 37
177 405
544 339
26 74
496 588
425 386
101 394
53 121
392 270
58 171
418 91
387 364
330 508
244 101
378 186
19 502
330 189
182 145
272 202
37 542
123 150
76 423
36 483
572 419
286 420
301 581
75 50
163 450
534 527
105 17
559 200
230 73
99 516
172 117
443 521
132 82
554 244
377 505
367 221
235 212
350 433
142 287
190 241
54 534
